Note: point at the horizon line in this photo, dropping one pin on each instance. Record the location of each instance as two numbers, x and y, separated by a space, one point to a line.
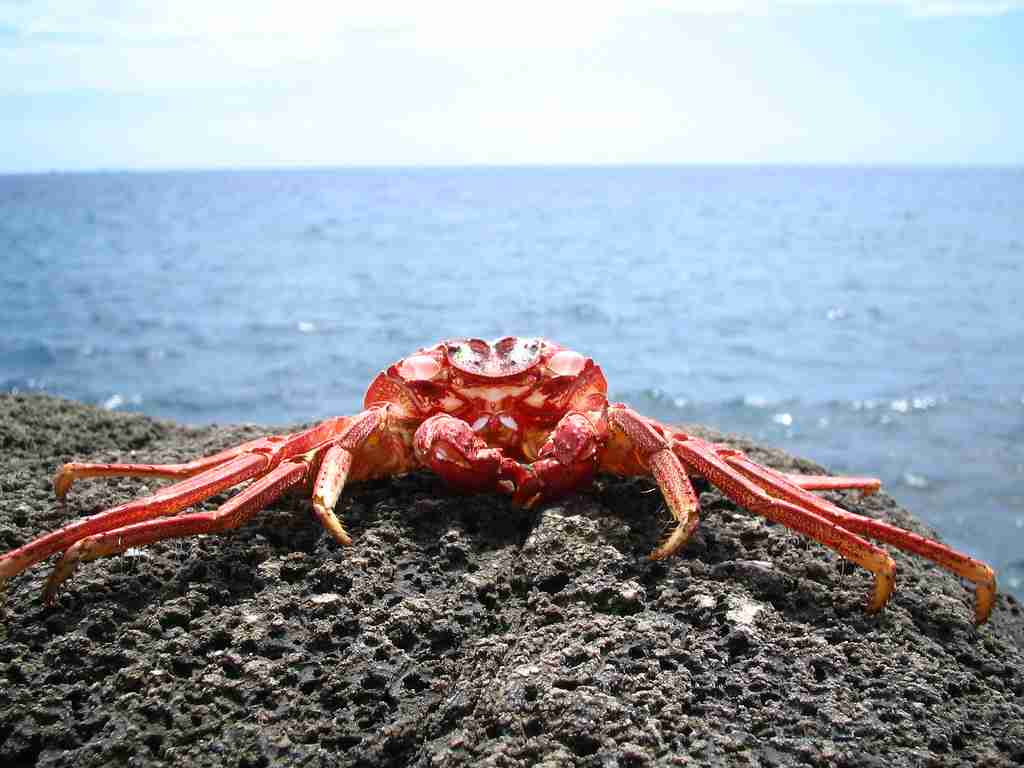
255 168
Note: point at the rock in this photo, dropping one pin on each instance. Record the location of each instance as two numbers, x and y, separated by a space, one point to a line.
460 630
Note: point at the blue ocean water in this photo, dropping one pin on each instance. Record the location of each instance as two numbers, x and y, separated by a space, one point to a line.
868 318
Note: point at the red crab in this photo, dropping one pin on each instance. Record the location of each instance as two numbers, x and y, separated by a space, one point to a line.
522 416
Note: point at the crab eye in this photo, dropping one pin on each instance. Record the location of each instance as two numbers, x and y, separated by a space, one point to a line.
419 368
566 362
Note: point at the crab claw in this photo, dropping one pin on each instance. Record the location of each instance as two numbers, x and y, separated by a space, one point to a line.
451 449
565 462
520 481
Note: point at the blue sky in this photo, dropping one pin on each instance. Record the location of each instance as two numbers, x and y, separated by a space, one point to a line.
255 83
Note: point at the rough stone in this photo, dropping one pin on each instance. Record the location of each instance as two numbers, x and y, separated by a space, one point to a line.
460 630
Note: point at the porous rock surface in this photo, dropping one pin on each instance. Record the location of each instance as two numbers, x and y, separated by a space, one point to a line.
462 631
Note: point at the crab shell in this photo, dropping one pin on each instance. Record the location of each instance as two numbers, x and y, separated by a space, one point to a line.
512 392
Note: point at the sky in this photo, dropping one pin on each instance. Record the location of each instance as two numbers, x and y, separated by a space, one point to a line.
119 84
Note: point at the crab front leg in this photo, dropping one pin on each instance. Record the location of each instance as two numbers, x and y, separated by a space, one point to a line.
330 481
373 445
636 446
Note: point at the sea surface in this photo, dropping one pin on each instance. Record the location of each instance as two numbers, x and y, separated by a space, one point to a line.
869 318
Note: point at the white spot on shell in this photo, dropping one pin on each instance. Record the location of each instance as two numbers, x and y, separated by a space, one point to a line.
508 421
480 423
419 368
566 362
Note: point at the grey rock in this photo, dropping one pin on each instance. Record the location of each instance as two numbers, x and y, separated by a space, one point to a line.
460 630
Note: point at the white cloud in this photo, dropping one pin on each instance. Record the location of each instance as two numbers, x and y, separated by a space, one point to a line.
912 7
261 82
319 22
964 7
48 45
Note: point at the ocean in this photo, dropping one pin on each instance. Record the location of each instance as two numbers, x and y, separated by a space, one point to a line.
870 319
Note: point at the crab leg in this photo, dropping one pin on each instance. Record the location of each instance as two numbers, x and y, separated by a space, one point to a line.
165 501
73 471
780 485
275 446
866 485
705 459
231 514
654 451
370 445
330 480
204 478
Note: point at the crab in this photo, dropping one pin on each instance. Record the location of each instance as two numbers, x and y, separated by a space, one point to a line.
520 416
